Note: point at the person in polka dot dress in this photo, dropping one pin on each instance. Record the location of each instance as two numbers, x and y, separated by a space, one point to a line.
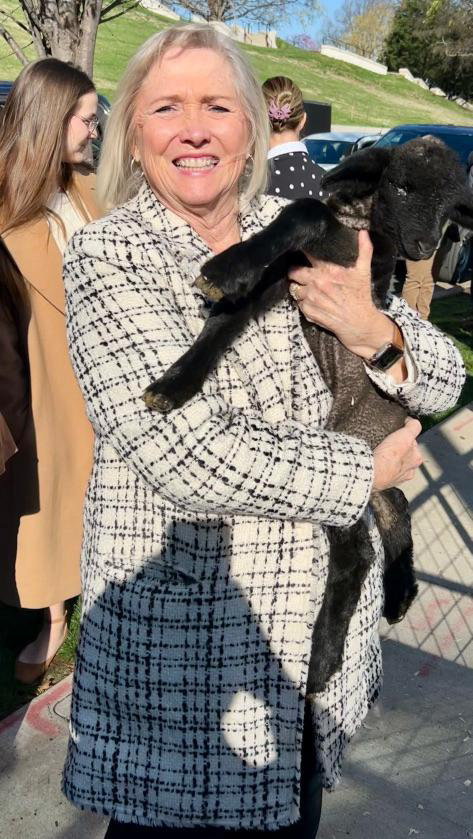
291 172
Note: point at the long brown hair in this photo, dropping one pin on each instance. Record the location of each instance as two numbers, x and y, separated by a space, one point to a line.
33 128
282 92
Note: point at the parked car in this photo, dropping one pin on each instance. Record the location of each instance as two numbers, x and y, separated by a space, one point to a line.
329 148
103 110
5 88
458 137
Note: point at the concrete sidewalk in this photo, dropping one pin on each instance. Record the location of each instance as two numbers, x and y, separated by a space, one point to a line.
409 771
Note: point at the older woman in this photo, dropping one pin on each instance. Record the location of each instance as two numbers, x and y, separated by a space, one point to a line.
205 556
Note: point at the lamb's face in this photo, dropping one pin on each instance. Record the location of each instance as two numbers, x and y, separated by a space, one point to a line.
409 191
417 194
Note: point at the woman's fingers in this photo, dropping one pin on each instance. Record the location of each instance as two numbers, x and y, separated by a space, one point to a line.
365 252
413 425
397 458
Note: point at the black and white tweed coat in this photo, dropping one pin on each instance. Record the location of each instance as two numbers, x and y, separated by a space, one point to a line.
204 555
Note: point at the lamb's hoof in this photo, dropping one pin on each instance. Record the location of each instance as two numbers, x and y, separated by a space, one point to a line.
209 289
394 620
156 401
400 613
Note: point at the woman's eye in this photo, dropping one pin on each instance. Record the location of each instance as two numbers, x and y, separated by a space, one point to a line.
163 109
220 109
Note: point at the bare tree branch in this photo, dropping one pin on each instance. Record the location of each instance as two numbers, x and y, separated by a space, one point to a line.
14 46
454 52
127 4
36 28
19 23
119 14
265 13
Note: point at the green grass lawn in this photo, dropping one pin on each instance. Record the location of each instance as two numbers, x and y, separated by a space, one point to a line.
358 97
17 628
454 316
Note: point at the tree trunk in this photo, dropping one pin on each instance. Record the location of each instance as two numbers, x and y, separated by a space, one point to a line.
218 9
35 24
88 35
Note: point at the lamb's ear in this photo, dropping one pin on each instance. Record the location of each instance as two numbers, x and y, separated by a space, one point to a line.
462 212
359 174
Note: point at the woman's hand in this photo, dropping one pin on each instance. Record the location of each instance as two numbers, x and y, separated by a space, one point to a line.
397 457
339 299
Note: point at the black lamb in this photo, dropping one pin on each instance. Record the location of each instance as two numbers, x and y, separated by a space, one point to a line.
403 196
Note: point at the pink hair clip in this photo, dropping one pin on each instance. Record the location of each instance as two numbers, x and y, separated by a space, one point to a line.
280 114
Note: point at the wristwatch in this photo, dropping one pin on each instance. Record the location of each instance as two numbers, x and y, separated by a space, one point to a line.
389 353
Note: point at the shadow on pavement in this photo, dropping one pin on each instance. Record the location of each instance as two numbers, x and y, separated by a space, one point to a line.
409 769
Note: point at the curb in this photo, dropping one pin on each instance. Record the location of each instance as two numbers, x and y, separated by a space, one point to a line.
39 715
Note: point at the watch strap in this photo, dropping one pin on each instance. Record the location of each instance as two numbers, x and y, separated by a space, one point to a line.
397 340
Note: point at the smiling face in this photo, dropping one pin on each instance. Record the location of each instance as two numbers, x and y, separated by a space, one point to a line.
78 133
191 135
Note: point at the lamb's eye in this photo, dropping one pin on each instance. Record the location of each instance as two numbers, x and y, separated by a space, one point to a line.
401 190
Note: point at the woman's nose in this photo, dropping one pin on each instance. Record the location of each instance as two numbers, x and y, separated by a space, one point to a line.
194 128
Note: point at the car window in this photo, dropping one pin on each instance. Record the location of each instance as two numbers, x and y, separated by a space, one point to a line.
328 151
396 138
461 143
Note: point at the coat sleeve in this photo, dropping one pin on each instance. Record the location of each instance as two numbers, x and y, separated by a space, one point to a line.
439 368
14 381
124 330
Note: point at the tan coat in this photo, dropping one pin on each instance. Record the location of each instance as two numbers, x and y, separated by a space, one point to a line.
42 490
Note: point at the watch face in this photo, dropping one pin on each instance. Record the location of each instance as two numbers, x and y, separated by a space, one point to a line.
389 357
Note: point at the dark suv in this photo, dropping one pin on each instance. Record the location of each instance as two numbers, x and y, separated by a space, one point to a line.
103 110
458 137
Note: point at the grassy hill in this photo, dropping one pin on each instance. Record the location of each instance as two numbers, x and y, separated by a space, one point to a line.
358 97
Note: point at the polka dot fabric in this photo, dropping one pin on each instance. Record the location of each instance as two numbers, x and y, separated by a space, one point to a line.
294 175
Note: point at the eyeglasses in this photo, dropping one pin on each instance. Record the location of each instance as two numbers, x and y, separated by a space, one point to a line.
91 124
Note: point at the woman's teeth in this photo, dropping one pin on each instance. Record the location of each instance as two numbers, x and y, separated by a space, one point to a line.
196 162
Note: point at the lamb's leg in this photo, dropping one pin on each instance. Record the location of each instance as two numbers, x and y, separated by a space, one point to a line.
351 555
226 321
391 512
306 225
187 375
361 410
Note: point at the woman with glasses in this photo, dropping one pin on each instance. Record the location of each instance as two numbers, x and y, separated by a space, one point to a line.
47 193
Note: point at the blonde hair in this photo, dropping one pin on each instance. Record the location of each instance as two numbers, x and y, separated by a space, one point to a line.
33 129
118 179
282 92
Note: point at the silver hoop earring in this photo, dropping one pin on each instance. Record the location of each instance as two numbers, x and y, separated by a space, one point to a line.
135 168
249 163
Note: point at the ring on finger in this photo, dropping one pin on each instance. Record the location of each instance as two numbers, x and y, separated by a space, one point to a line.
294 291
